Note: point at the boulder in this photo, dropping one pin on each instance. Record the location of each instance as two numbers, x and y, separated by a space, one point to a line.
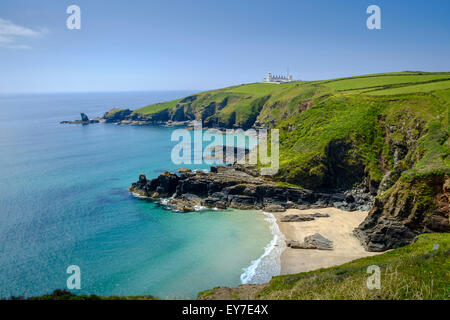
319 241
274 208
315 241
320 215
297 217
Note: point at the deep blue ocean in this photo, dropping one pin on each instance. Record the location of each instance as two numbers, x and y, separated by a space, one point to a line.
64 200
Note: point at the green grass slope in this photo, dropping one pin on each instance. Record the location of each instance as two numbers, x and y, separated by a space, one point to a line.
414 272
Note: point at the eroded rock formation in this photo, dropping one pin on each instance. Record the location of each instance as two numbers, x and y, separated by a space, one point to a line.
411 207
236 187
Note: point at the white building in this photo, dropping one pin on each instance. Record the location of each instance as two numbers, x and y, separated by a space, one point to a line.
277 79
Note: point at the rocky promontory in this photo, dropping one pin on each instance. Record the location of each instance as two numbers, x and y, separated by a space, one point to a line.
239 187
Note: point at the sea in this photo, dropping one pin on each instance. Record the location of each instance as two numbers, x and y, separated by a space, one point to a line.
64 201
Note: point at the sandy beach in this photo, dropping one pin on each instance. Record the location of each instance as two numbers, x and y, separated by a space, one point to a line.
337 227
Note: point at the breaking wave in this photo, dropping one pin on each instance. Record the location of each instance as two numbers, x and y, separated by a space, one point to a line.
268 264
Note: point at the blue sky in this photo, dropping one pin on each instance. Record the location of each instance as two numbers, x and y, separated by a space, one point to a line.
205 44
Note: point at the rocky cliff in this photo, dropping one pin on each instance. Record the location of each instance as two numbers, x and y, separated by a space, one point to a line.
413 206
242 188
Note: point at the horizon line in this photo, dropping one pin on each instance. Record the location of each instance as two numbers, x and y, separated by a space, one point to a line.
199 90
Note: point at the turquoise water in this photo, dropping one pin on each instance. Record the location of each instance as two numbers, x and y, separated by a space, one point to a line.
64 201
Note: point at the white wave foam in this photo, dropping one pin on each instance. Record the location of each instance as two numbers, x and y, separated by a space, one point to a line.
199 208
268 265
164 201
137 195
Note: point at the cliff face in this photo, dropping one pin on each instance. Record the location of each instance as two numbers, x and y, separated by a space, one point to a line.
413 206
386 134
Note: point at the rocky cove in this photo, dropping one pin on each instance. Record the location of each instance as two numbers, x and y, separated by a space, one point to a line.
241 187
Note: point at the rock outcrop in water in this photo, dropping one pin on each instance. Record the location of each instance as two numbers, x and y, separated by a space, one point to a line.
237 187
84 120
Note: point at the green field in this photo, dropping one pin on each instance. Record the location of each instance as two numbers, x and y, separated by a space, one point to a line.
154 108
381 80
425 87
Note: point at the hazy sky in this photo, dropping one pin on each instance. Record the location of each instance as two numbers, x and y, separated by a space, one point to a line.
203 44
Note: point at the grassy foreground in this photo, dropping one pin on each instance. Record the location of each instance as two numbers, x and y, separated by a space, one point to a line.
414 272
